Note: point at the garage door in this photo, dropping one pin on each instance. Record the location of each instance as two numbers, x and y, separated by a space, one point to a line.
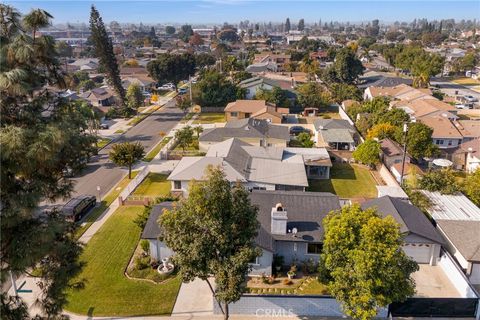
419 252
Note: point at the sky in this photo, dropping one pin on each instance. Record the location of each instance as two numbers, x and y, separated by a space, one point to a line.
219 11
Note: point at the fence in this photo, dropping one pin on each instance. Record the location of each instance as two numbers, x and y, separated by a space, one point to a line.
388 177
456 275
435 307
134 183
284 306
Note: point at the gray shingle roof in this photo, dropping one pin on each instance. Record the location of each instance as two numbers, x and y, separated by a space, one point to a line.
246 128
464 235
305 211
335 130
410 218
152 228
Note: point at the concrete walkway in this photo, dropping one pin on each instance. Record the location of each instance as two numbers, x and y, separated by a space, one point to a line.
194 299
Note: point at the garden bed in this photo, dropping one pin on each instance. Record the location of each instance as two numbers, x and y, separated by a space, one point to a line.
301 285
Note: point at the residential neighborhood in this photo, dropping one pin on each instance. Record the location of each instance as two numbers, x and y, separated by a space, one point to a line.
240 160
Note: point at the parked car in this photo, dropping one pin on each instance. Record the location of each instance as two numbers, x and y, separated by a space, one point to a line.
167 86
296 130
104 126
464 106
76 208
182 91
470 98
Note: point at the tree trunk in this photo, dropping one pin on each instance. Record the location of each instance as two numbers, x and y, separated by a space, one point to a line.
226 314
130 172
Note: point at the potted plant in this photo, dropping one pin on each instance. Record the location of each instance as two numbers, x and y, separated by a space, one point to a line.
290 274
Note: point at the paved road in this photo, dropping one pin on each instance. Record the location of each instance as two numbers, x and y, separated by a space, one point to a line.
451 87
101 172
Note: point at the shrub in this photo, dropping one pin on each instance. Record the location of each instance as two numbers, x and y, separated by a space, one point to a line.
142 263
268 279
145 246
323 273
141 219
309 266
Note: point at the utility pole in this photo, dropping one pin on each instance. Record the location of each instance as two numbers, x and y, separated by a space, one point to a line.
190 86
405 130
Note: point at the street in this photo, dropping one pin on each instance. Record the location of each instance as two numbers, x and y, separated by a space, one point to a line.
100 171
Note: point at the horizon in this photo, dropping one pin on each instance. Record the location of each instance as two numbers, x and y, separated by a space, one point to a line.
234 11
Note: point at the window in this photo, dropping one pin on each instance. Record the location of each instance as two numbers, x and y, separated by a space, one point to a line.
177 185
234 114
438 141
259 188
254 261
314 248
450 142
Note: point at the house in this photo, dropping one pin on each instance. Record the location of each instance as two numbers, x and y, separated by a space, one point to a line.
258 168
278 59
262 67
451 207
392 153
408 170
422 242
99 97
255 132
334 134
290 226
392 191
255 84
145 83
421 108
463 242
400 92
469 129
258 109
467 157
87 64
445 134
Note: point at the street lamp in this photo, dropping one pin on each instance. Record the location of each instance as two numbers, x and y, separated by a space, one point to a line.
405 130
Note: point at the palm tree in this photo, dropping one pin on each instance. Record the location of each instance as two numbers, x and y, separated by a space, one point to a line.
9 21
35 20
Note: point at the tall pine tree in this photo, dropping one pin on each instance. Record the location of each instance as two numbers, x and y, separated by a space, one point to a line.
287 25
104 52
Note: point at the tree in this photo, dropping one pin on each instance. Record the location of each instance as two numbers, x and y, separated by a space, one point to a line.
305 140
171 67
419 141
347 68
366 42
363 255
36 19
86 85
471 187
214 90
126 154
104 52
204 60
195 40
342 91
134 96
228 35
382 131
186 32
443 181
287 25
276 96
368 152
198 130
170 30
469 61
313 95
35 151
184 137
230 64
212 234
183 103
301 25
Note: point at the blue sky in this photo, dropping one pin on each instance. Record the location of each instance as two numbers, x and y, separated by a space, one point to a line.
219 11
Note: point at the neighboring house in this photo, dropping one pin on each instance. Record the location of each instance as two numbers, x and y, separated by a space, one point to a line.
451 207
278 59
99 97
400 92
422 242
87 65
290 226
262 67
258 109
258 168
445 134
252 131
463 242
255 84
334 134
467 157
420 108
392 191
408 170
392 153
470 129
145 83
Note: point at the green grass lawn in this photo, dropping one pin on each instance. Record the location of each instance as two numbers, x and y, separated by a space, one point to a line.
102 142
209 118
467 81
154 185
108 292
149 157
106 202
347 181
192 147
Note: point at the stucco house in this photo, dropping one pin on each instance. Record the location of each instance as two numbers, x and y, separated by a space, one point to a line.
252 131
445 134
258 109
334 134
467 157
99 97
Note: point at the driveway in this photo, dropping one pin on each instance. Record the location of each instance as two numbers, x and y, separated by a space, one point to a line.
194 299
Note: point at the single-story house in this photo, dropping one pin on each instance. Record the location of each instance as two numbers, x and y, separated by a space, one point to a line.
392 152
145 83
278 59
463 242
420 108
445 134
86 64
260 67
451 207
334 134
99 97
290 226
252 131
258 168
470 129
422 242
399 92
467 156
254 84
258 109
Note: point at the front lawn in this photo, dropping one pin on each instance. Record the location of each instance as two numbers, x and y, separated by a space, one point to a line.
467 81
154 185
149 157
347 181
108 292
209 118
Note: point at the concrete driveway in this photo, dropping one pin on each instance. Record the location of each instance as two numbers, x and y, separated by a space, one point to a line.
194 299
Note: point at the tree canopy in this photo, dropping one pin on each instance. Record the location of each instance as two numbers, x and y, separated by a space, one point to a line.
214 90
212 233
313 95
126 154
367 268
368 152
171 67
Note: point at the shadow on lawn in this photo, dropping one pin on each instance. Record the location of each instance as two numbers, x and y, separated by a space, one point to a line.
342 171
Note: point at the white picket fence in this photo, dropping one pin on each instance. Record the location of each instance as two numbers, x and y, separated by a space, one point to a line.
134 183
